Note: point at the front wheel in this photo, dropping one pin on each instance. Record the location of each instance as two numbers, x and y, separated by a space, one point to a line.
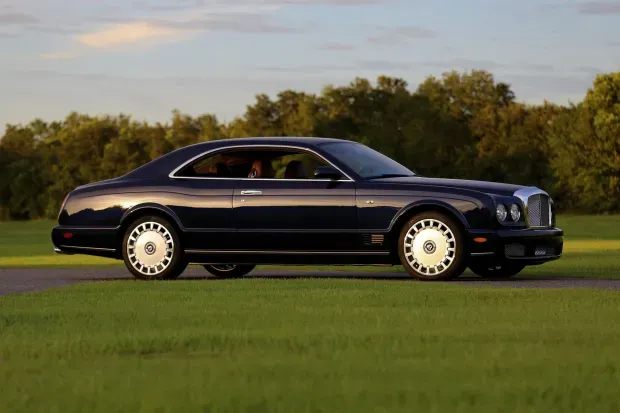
431 247
229 270
152 250
493 270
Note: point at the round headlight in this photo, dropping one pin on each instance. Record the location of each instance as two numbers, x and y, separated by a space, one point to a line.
515 212
501 212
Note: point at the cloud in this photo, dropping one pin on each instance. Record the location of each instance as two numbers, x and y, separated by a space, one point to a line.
599 7
17 18
336 47
593 71
462 63
240 23
400 35
482 64
385 65
53 30
310 69
59 56
124 33
329 2
186 4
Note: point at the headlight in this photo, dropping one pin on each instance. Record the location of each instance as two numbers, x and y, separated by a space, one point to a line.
501 212
515 212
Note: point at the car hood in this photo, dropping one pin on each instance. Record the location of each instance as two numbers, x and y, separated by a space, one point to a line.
480 186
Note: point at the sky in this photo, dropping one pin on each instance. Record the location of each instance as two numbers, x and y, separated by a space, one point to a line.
147 57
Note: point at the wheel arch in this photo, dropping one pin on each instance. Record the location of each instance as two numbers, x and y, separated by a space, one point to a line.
143 210
423 206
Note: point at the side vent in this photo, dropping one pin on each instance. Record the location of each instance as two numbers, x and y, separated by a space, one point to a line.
373 240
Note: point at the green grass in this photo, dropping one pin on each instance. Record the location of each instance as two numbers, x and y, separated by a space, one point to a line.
592 249
308 346
312 345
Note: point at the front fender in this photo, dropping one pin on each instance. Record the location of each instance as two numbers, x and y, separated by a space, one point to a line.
459 209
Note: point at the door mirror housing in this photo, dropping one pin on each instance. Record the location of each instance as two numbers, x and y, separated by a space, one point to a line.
327 172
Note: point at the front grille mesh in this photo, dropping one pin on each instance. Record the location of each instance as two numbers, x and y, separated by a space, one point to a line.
514 250
538 211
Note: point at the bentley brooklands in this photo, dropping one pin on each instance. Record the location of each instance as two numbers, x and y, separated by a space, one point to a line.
232 204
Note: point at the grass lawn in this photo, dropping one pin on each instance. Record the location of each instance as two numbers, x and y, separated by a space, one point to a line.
591 249
259 345
312 345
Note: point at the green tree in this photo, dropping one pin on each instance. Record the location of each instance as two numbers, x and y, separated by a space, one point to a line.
586 149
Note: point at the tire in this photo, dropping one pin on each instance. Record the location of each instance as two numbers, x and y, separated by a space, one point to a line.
229 270
431 247
495 270
152 249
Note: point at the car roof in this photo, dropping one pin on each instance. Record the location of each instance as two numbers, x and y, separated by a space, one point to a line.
177 157
276 140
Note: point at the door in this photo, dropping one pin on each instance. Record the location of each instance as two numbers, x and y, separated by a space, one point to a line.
281 206
202 199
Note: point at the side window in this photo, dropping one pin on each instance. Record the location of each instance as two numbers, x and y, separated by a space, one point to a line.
255 163
296 166
228 164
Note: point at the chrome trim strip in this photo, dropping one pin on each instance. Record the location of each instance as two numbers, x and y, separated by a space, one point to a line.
259 179
283 252
89 248
523 195
171 174
61 252
481 254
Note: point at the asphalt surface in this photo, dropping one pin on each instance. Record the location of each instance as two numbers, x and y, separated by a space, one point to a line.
37 279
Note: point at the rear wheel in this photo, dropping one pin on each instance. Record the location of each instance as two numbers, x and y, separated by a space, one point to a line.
431 248
152 250
229 270
493 270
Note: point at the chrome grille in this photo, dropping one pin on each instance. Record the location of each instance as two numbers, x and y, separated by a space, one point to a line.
539 211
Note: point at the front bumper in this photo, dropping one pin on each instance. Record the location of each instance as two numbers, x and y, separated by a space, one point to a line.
526 246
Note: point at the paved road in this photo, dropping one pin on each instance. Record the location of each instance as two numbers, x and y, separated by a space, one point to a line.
22 280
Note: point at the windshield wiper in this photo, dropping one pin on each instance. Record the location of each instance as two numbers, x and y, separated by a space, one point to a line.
388 176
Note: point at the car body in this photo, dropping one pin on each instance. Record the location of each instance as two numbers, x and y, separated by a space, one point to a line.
242 202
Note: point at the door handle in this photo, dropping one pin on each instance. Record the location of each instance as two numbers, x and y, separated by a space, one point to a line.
251 192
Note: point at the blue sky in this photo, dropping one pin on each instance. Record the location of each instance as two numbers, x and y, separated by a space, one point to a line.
148 57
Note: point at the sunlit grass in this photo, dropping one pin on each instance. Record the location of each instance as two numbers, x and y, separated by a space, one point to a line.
314 345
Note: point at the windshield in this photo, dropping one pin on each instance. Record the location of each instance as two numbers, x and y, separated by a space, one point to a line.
366 162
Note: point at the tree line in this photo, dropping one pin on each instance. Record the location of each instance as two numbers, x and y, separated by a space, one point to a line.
461 125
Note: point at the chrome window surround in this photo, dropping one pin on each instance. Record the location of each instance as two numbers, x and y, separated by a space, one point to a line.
524 194
267 146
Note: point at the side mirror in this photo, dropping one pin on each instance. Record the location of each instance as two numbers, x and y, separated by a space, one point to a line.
327 172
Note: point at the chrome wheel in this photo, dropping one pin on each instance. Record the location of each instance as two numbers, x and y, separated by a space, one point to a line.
429 247
150 248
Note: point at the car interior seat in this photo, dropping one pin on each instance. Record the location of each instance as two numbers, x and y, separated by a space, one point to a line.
295 170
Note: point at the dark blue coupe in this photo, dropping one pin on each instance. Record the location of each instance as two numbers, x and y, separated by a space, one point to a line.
232 204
